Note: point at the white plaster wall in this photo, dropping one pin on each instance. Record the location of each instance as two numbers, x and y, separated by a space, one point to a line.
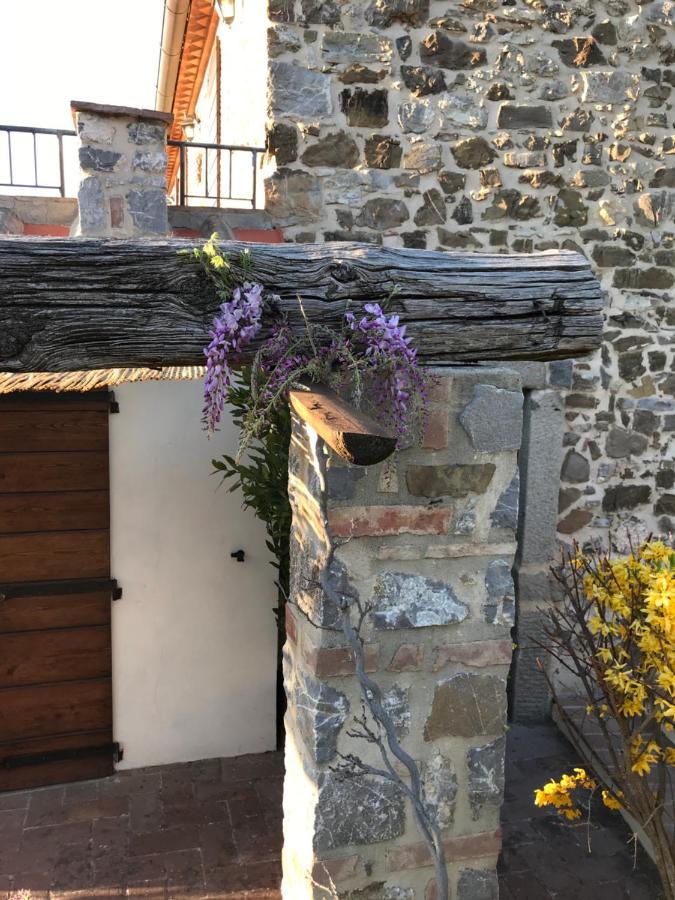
194 640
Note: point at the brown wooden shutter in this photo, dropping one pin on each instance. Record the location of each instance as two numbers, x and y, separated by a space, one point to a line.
55 589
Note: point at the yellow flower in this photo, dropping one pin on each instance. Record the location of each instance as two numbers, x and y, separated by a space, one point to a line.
610 800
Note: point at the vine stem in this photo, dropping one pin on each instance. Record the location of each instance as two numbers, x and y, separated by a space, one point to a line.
372 696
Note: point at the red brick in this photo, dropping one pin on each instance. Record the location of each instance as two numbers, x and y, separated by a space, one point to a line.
439 389
338 869
437 430
291 628
116 212
473 846
407 658
325 662
381 521
477 654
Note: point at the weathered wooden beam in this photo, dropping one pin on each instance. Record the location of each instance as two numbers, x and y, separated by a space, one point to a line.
69 304
353 435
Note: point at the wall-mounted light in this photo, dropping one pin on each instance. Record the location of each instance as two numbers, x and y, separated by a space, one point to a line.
188 127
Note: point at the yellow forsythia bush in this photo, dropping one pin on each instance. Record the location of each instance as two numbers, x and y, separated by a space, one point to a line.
615 631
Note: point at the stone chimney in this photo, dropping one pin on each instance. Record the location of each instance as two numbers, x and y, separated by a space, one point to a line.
122 154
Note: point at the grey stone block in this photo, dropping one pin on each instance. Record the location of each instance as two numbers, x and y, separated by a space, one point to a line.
478 884
494 418
320 711
146 133
505 513
486 775
396 704
299 93
540 462
357 811
148 210
412 601
501 598
341 481
92 211
94 160
531 698
439 783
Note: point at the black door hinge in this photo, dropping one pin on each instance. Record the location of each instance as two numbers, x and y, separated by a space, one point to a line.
114 405
115 590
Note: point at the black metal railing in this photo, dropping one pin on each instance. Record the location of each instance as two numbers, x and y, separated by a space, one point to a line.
216 174
23 161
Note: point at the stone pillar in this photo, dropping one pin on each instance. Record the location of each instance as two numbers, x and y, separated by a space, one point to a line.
427 539
122 155
538 550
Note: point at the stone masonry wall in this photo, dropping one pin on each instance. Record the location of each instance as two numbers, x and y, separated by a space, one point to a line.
427 538
514 124
122 156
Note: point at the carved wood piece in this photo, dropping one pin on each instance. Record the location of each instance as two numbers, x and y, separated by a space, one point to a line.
69 304
353 435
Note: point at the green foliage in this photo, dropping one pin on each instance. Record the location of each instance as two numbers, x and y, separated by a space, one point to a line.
262 477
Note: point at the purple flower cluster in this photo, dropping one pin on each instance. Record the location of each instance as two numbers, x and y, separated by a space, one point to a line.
278 362
236 326
372 352
393 359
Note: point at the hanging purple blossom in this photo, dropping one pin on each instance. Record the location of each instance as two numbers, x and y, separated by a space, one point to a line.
371 358
236 326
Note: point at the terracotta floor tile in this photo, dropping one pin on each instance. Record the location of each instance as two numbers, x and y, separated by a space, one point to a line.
180 837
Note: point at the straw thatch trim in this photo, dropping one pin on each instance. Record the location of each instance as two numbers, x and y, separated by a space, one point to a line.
93 379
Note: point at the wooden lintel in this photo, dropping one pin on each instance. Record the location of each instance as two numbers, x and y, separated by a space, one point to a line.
354 436
79 304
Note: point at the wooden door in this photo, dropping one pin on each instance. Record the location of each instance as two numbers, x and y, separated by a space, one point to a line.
55 589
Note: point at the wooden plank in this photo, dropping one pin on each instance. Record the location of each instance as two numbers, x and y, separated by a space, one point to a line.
354 436
60 429
53 709
45 556
58 511
32 401
59 772
56 611
69 304
76 471
38 657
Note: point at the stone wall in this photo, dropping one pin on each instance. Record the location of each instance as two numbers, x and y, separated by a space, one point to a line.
427 538
520 125
122 156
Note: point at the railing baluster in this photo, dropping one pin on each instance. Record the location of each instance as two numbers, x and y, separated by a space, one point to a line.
62 174
59 134
9 147
181 173
229 179
35 178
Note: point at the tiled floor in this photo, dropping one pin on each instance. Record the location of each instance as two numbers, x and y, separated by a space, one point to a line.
546 858
213 829
206 829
